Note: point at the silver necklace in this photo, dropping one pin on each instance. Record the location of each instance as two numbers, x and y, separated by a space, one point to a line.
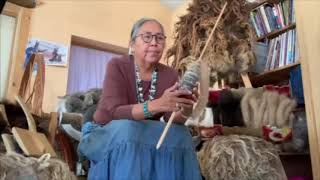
152 90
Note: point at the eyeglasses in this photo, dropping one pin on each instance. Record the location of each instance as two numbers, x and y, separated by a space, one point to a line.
147 38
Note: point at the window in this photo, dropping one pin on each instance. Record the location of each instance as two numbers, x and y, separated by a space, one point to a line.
7 31
87 68
88 62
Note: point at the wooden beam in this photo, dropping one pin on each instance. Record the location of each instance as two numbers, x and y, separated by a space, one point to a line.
89 43
24 3
246 80
308 28
21 36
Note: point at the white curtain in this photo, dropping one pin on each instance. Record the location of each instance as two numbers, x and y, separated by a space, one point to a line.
87 68
7 30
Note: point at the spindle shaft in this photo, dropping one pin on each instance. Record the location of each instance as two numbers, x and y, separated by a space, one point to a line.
166 129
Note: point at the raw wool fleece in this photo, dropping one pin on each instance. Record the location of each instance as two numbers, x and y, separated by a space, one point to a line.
205 119
229 51
84 103
16 166
226 110
79 102
237 157
262 107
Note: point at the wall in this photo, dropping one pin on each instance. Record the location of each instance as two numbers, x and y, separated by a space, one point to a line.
179 11
107 21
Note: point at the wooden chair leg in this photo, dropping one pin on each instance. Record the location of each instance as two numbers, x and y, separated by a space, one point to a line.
52 129
67 149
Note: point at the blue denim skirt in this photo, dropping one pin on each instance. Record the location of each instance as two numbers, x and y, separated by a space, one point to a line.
126 150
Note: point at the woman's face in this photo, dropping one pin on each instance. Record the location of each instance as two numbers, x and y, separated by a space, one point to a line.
149 42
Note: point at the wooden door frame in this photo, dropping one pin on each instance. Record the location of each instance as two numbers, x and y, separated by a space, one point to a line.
308 27
17 54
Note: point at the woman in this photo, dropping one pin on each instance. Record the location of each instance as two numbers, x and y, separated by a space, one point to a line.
137 92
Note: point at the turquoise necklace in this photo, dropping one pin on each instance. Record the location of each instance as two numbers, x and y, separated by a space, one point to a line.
152 90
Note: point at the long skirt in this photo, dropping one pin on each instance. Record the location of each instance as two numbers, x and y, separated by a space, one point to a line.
126 150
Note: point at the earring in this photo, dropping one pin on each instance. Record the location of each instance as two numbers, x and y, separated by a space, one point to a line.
131 52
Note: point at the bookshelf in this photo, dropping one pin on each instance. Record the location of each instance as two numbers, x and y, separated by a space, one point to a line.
279 35
293 154
273 76
255 5
276 33
276 44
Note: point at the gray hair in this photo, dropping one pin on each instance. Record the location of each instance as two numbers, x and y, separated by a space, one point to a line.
136 27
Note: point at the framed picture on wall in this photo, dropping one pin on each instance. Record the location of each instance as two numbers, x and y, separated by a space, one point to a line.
54 54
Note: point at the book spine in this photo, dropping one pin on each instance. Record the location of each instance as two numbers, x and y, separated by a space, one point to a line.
253 22
265 19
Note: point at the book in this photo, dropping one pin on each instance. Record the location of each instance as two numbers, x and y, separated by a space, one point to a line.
260 51
271 18
270 53
253 22
265 19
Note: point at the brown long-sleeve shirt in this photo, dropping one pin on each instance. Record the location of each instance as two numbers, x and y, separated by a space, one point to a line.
119 89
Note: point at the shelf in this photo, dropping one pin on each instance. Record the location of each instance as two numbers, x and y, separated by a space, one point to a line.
272 76
299 109
255 5
297 164
276 33
293 154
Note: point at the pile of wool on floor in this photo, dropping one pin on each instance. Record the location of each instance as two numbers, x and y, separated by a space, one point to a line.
237 157
17 166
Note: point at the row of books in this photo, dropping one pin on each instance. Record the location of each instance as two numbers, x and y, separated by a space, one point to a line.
277 52
270 17
282 50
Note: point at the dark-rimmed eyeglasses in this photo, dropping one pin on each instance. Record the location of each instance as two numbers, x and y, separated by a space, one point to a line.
147 37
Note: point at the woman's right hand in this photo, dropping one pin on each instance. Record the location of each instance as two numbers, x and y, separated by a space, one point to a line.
170 99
